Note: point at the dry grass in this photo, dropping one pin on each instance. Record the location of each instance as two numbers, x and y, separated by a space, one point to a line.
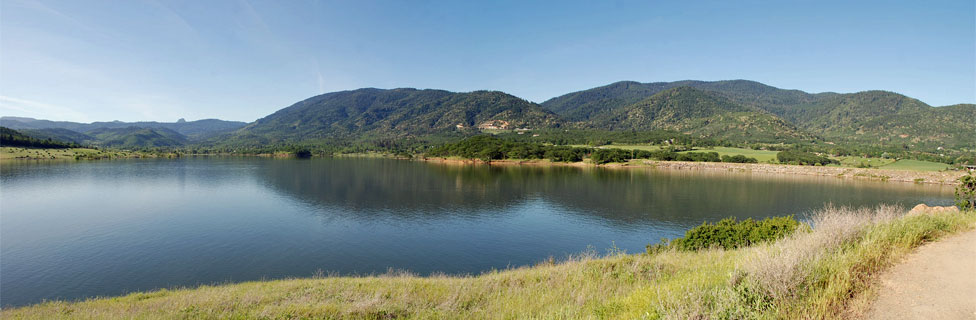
578 288
820 273
812 274
779 269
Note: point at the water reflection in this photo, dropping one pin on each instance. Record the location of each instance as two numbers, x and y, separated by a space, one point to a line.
416 190
72 230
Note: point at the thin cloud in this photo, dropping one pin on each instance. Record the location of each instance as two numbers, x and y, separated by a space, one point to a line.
24 107
89 29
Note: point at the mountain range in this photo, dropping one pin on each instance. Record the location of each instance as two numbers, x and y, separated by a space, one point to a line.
736 110
118 134
868 117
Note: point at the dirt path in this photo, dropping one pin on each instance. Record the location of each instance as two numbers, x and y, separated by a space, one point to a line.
938 281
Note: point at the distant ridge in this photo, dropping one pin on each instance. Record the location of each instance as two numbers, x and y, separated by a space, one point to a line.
192 129
732 110
392 113
123 134
699 113
871 117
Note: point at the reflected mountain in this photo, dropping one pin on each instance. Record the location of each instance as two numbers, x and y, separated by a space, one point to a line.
367 188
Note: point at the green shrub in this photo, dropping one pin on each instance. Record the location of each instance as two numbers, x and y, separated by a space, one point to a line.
601 156
966 192
699 157
739 159
662 155
803 158
489 147
302 153
730 234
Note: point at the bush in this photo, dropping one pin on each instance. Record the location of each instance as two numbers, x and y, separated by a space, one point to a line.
488 147
303 153
565 154
699 157
739 159
966 192
803 158
601 156
661 155
731 234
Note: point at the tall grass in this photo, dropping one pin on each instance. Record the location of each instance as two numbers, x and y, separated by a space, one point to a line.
820 271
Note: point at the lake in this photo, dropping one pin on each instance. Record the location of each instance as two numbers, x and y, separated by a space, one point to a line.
72 230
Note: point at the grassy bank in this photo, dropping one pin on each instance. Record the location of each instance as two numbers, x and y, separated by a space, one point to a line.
18 153
825 272
948 177
12 153
766 156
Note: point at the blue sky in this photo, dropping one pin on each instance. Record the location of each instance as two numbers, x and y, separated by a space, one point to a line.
243 59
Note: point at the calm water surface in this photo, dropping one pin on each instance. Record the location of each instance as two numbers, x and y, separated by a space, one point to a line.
76 230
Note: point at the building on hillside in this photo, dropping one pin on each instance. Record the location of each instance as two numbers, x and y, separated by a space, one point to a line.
494 125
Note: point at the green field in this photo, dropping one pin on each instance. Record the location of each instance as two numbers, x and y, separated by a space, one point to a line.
916 165
17 153
892 164
633 147
761 155
854 161
765 156
7 153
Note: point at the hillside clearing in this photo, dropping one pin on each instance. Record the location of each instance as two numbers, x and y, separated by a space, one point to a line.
916 165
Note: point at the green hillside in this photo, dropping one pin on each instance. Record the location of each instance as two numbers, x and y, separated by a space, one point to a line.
871 117
885 118
13 138
194 130
729 112
59 134
135 137
701 114
396 113
582 105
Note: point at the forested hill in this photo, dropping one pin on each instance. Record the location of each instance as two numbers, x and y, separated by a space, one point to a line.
371 112
701 114
13 138
734 111
869 117
136 137
582 105
193 130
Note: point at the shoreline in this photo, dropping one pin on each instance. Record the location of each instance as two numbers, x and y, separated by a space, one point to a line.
918 177
874 174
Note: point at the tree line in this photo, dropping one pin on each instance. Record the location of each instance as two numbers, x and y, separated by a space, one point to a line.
488 147
13 138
